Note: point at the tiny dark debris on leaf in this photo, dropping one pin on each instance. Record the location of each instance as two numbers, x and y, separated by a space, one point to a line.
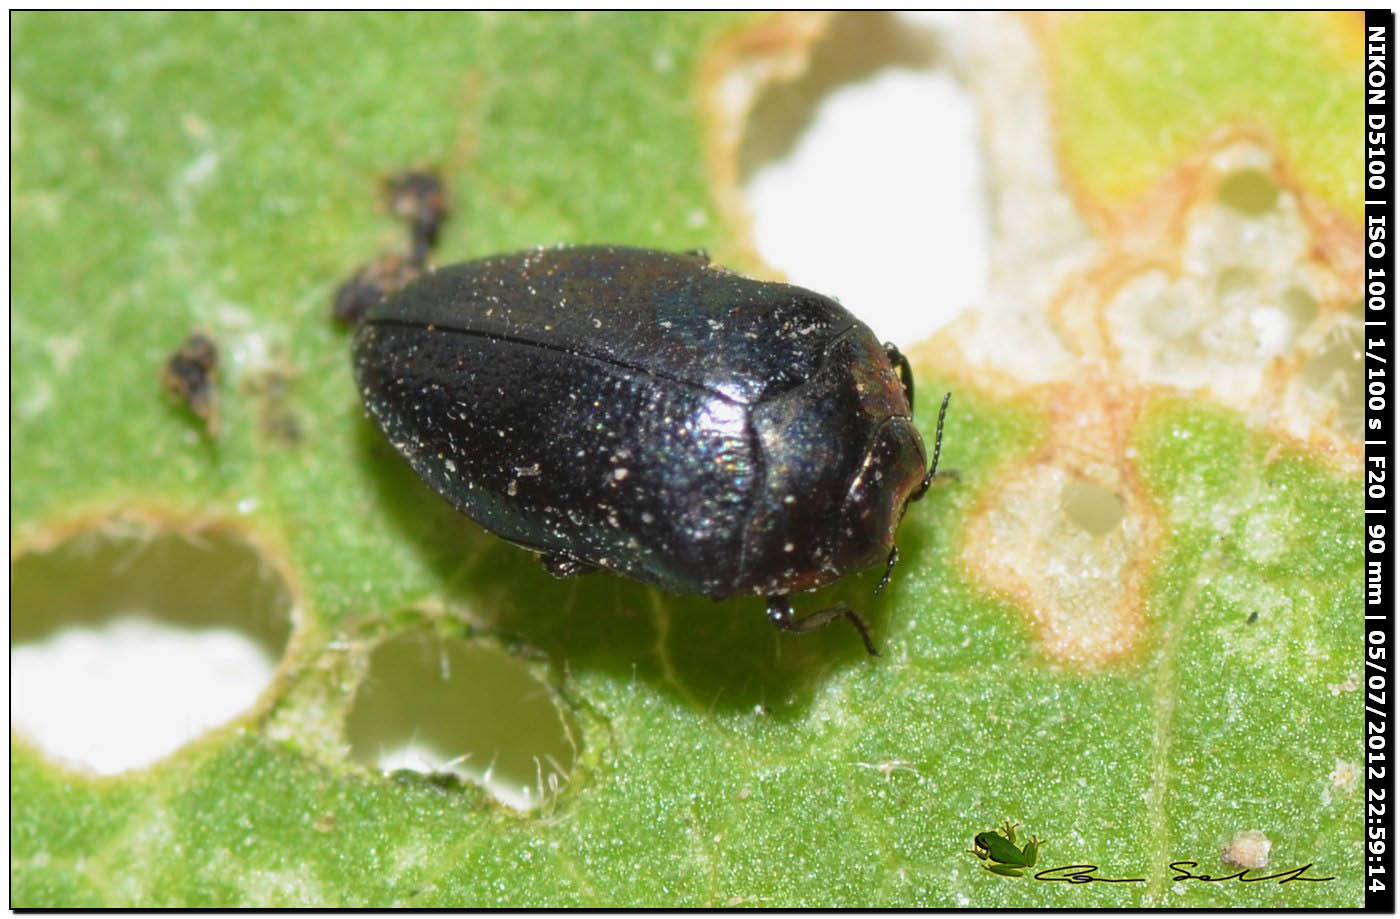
419 197
191 374
384 276
276 419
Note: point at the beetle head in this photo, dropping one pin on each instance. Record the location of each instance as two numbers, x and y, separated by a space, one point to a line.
891 471
814 535
841 459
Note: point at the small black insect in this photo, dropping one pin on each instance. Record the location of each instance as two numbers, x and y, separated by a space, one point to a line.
652 414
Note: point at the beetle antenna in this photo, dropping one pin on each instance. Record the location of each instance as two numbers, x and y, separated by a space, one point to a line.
937 448
889 568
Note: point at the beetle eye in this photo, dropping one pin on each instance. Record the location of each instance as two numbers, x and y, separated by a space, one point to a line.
900 363
892 470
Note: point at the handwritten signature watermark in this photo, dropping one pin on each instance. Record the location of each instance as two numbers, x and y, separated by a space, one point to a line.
1002 855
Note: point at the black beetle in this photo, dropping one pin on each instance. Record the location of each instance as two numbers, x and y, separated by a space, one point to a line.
652 414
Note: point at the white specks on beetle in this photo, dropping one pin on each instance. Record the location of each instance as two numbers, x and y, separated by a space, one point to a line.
683 418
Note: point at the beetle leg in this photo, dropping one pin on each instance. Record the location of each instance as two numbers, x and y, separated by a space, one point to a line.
937 448
889 568
564 566
780 614
906 376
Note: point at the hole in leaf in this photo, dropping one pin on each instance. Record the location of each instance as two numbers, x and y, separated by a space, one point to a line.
1249 191
1233 281
447 706
130 640
1092 506
1334 371
1299 305
865 179
1276 325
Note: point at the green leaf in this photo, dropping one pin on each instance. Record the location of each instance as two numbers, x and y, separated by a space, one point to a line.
181 171
1139 92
